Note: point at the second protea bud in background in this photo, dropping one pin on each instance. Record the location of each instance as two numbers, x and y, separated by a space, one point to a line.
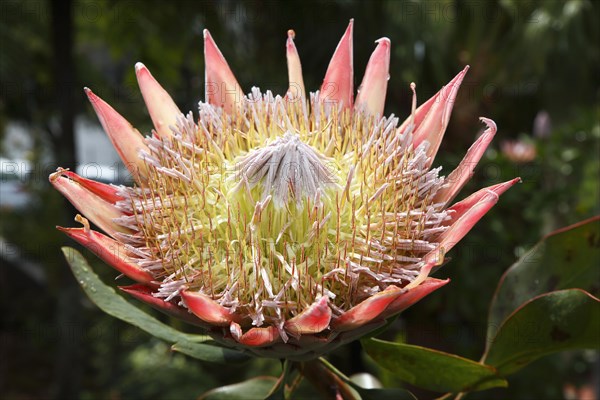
519 151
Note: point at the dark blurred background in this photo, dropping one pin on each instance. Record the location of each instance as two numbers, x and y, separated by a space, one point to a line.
534 70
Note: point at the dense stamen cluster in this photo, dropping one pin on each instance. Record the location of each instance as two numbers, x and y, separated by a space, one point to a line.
280 204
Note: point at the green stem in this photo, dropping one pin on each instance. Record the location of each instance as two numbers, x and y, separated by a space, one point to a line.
325 379
278 391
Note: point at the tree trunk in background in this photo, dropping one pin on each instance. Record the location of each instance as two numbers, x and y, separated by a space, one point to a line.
64 78
69 327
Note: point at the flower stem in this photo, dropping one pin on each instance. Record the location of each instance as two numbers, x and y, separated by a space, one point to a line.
325 380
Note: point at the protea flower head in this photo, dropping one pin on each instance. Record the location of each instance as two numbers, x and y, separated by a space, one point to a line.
282 225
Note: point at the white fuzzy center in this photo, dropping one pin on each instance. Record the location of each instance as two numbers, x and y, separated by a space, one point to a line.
288 169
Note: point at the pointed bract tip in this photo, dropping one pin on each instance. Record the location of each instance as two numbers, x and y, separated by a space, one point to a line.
466 213
503 187
337 86
126 140
456 82
208 40
385 41
289 43
161 107
460 76
296 89
372 91
350 27
139 66
466 168
382 51
438 110
490 193
221 86
205 33
489 123
92 97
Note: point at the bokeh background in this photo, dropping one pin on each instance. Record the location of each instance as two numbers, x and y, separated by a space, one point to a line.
534 70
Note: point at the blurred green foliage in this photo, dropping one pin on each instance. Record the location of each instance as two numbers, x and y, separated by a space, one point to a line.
525 57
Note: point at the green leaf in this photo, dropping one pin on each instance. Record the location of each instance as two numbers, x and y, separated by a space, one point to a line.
208 352
252 389
565 259
432 369
111 303
557 321
278 390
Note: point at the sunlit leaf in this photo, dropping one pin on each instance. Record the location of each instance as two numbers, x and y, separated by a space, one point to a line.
432 369
557 321
365 380
252 389
565 259
111 303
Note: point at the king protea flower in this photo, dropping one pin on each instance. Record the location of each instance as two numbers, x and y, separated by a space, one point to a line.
282 225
